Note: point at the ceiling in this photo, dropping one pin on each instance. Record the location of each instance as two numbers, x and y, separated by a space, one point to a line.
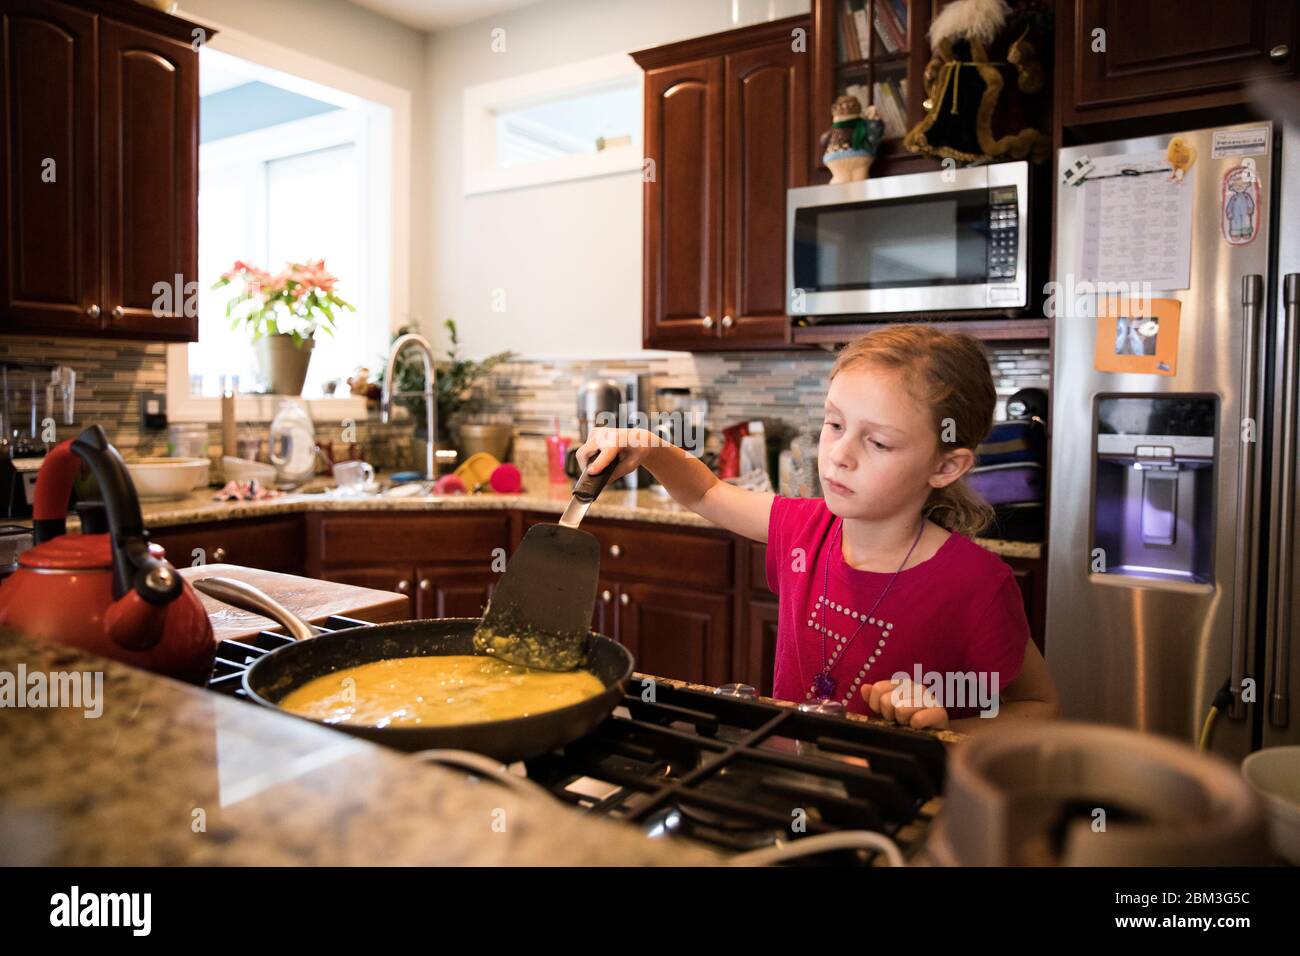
440 14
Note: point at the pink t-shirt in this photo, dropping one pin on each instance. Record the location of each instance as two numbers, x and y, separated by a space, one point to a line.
958 615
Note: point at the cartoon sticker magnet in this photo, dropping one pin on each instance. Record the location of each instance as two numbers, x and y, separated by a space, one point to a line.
1137 336
1240 216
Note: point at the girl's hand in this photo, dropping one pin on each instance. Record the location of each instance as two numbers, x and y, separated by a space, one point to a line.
603 445
905 703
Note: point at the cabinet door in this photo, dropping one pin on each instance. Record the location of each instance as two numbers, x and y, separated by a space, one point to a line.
452 592
269 544
683 205
49 269
671 633
149 134
767 153
1159 49
761 644
396 577
604 617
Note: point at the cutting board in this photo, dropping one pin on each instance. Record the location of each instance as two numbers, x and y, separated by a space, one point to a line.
309 598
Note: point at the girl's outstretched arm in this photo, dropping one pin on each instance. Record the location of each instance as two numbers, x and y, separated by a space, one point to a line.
687 479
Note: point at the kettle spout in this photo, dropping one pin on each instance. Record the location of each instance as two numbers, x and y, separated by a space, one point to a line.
135 624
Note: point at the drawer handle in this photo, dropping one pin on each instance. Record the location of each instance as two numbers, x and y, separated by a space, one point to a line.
404 586
425 584
624 599
727 322
93 311
1279 52
605 596
118 312
218 555
615 551
708 322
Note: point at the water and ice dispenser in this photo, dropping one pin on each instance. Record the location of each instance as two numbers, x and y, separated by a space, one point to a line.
1154 460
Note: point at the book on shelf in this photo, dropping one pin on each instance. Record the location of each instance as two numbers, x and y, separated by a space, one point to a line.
889 105
863 33
887 38
849 43
893 23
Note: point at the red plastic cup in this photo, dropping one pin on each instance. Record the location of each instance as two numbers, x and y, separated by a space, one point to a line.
557 453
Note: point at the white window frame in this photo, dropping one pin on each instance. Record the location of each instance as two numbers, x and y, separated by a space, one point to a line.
389 143
484 102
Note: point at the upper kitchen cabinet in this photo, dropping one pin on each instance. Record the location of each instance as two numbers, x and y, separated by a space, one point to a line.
99 166
1121 60
726 128
875 50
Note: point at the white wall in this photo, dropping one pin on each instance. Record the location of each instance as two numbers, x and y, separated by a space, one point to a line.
566 256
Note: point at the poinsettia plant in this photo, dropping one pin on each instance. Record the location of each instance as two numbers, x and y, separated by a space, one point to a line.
297 301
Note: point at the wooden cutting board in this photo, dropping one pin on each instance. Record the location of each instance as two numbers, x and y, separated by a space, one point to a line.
309 598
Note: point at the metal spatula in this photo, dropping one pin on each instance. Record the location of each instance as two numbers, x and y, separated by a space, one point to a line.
540 613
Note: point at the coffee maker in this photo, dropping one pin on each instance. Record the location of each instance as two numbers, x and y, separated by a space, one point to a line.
616 401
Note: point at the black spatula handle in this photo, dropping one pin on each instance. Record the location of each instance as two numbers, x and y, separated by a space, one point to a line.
589 486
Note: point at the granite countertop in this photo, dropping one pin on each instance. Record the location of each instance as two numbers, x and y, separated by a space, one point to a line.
539 495
171 774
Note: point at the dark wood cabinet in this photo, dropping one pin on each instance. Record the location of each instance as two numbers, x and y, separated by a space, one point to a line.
452 591
726 131
269 544
672 633
391 577
98 170
1122 60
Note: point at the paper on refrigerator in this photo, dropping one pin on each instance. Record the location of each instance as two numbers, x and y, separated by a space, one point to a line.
1137 222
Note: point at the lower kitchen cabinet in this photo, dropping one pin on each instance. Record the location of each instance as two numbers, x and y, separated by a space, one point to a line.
760 644
269 544
452 592
685 635
395 577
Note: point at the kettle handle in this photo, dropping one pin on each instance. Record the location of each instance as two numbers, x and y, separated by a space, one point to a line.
134 566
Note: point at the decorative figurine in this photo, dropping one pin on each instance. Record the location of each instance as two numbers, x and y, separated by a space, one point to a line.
986 84
850 144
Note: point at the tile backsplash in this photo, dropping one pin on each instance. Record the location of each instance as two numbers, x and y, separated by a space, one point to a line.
783 389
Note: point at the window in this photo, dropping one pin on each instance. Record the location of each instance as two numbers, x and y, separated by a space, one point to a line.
291 170
571 122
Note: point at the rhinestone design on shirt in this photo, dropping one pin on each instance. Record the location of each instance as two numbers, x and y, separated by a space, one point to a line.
839 615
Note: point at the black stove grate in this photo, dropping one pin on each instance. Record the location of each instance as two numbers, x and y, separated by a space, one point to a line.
728 771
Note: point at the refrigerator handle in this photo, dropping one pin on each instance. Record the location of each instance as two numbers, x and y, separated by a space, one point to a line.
1279 589
1252 294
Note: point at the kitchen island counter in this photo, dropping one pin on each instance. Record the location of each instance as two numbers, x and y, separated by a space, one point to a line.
171 774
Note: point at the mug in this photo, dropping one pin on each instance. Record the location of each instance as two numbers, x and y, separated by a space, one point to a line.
353 475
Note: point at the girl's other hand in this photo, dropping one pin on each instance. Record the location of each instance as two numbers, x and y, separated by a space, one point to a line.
603 445
905 703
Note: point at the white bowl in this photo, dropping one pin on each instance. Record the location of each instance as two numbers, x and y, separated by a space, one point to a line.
1275 773
245 469
160 478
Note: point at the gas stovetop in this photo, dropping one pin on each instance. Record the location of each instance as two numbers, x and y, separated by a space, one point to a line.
720 767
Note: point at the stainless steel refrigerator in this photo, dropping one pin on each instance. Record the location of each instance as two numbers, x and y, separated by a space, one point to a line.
1172 564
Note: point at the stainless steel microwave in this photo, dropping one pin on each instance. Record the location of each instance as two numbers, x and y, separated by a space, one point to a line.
954 240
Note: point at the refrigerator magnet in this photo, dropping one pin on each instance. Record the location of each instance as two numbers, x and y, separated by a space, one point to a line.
1137 337
1240 204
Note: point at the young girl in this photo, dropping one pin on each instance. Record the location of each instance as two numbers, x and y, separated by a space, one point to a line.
879 579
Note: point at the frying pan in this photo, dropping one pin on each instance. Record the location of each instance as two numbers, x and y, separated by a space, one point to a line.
270 678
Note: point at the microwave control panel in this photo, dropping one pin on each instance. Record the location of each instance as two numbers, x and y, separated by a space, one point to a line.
1004 232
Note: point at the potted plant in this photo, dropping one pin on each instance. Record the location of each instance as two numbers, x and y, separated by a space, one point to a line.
283 312
455 379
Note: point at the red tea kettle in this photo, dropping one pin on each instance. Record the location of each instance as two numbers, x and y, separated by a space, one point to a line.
112 593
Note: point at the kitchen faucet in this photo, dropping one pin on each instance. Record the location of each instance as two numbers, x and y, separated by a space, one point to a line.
417 341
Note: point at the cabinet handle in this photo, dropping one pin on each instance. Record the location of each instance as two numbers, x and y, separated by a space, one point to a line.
118 312
623 599
218 554
1279 53
708 322
727 322
94 311
404 585
425 584
615 551
605 596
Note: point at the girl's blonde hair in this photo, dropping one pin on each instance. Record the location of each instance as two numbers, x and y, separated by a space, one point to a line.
949 374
